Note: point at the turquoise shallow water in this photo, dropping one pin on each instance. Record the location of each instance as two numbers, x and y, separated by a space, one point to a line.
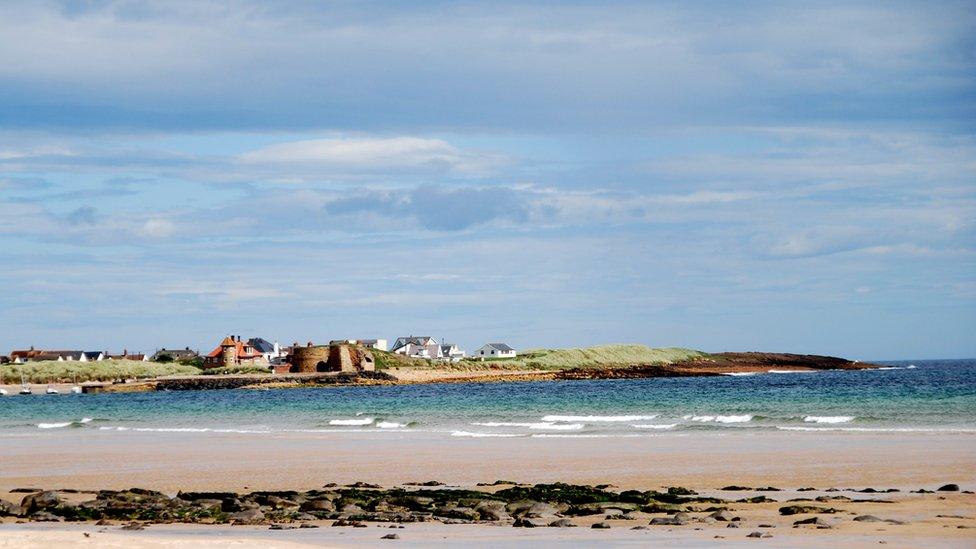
918 396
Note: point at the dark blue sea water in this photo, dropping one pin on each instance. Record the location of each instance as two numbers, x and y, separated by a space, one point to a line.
918 396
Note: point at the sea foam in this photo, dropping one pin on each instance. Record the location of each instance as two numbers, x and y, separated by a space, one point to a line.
720 419
482 435
649 426
596 419
544 425
351 422
828 419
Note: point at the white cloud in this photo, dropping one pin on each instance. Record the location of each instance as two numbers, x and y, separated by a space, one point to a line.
376 154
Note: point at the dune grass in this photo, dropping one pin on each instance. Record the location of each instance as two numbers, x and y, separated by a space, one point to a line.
601 356
52 371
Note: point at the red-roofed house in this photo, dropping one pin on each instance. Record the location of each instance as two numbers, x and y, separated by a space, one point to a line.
234 352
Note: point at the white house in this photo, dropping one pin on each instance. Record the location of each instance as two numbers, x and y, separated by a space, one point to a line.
417 347
452 352
495 350
94 356
270 351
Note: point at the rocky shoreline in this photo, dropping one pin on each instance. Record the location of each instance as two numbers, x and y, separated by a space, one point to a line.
557 505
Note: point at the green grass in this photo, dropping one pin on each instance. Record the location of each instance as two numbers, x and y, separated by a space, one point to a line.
602 356
67 372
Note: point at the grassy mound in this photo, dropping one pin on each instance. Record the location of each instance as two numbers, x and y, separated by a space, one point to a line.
601 356
52 371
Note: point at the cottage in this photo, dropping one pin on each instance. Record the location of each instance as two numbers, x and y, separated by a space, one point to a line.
38 355
417 347
452 352
233 352
495 350
93 356
126 355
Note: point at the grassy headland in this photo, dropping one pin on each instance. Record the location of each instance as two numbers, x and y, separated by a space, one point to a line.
52 371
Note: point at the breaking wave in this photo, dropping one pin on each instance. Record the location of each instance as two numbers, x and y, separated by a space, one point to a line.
828 419
63 424
545 425
352 422
648 426
483 435
596 419
745 418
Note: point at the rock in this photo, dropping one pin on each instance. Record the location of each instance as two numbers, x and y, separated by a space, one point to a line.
757 499
247 515
365 485
308 525
425 483
722 516
732 525
390 536
562 523
133 526
767 526
26 490
673 520
457 512
812 521
735 488
768 489
322 505
754 535
530 523
8 509
804 509
601 526
807 489
40 501
351 509
538 509
948 488
44 516
102 522
640 528
867 518
492 510
282 527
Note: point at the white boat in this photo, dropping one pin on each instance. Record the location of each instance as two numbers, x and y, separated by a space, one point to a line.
3 392
76 390
51 391
24 386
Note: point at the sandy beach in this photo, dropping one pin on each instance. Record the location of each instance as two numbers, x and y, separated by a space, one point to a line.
216 461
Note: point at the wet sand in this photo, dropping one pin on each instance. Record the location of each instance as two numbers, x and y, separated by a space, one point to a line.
87 459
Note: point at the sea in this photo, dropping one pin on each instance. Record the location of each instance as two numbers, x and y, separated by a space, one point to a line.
921 396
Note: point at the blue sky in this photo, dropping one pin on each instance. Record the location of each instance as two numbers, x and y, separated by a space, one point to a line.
767 176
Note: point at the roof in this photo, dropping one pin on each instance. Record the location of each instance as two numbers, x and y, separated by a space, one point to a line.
262 345
93 354
240 347
499 347
416 340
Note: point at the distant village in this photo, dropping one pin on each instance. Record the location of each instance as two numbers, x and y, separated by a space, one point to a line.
234 351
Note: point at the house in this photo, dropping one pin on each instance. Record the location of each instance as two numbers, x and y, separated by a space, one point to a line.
233 352
452 352
176 354
270 351
417 347
92 356
38 355
126 355
495 350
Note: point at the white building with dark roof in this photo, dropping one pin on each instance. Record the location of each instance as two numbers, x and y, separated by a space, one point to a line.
495 350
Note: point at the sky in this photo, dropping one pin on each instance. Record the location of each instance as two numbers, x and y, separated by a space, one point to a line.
775 176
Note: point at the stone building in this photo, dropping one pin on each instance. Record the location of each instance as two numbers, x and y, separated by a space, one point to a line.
337 357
